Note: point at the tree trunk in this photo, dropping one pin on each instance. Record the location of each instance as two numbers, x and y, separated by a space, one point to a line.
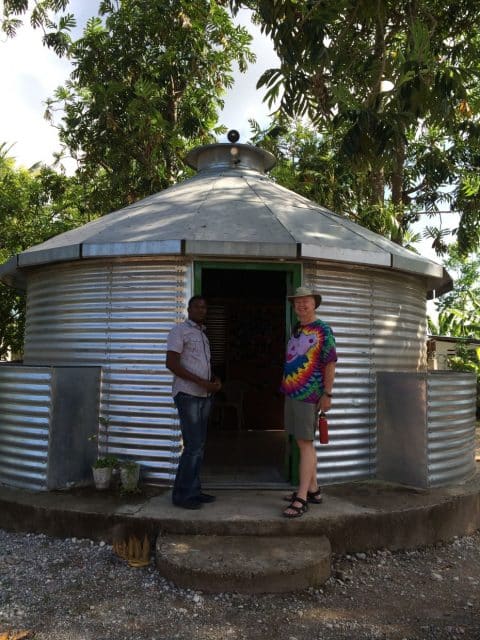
397 177
377 183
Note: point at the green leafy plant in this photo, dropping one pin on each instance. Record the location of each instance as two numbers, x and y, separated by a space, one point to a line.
106 462
128 464
466 359
459 310
129 477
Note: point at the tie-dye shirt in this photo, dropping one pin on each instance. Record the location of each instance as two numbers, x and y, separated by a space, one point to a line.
309 350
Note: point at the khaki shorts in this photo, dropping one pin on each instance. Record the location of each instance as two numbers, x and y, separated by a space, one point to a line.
301 419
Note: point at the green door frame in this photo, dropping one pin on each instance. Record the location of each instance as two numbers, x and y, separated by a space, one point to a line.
293 273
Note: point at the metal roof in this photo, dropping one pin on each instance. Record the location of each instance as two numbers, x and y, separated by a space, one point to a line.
229 209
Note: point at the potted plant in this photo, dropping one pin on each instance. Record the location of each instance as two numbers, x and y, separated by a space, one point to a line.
102 471
129 476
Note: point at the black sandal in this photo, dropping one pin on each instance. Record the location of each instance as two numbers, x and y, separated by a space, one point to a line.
299 511
313 497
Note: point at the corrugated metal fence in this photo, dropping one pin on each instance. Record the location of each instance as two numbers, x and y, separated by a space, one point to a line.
25 406
451 426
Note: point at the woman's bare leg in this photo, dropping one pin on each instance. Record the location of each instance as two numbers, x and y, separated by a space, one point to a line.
307 467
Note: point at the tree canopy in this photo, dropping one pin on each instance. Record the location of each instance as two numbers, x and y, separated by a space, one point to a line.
391 88
378 119
147 85
394 85
308 163
35 204
459 310
43 14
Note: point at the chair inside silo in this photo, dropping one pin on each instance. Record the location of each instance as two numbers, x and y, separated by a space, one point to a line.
246 325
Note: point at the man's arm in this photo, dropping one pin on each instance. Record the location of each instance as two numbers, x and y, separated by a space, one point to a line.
174 365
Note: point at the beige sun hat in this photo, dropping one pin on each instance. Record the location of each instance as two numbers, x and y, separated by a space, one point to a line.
302 292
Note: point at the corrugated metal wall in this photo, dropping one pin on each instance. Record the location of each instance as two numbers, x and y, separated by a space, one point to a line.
451 427
25 407
379 321
118 316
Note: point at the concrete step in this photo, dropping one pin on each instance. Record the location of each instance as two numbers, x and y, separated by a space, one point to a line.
244 564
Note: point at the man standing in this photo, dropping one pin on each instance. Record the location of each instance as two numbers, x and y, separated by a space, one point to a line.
188 358
307 383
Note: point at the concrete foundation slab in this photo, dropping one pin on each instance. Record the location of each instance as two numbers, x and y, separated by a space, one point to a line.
357 516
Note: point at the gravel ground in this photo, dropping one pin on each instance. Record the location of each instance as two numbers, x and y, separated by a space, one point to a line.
79 590
73 589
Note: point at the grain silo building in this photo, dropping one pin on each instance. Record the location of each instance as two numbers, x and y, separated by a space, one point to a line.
102 298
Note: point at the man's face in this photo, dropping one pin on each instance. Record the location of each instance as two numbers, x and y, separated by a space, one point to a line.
197 311
304 306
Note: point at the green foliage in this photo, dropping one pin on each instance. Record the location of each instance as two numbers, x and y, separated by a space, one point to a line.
459 310
466 359
308 163
106 462
147 84
129 464
35 205
56 35
416 145
12 322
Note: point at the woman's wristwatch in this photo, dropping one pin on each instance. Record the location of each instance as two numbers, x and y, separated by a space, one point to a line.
329 395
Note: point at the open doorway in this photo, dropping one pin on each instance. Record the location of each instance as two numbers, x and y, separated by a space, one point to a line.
247 323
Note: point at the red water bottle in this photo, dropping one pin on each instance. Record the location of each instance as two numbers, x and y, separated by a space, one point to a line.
323 428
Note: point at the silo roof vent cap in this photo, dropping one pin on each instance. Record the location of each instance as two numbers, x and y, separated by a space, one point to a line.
234 156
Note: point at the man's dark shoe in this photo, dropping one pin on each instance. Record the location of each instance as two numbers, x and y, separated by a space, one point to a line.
205 497
189 504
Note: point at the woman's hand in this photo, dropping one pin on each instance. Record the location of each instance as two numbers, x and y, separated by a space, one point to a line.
325 403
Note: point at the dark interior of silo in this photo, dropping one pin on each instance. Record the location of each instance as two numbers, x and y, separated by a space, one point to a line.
246 326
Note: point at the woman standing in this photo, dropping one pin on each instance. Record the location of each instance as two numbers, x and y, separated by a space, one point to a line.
307 383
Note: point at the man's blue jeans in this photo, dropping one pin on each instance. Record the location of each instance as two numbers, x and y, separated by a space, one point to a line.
193 412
